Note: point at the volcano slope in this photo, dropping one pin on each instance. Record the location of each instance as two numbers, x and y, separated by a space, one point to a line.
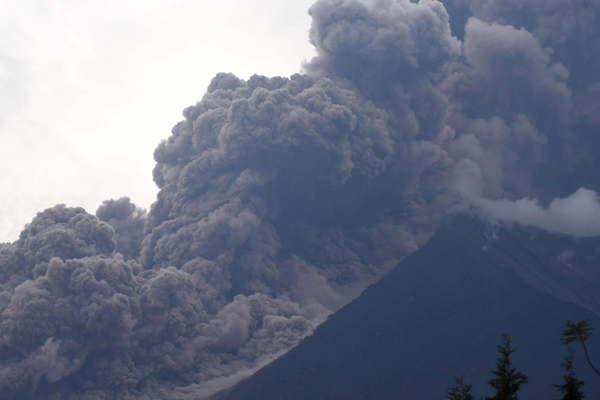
441 313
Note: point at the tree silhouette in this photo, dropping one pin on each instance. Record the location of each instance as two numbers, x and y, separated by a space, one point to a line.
571 386
460 391
580 332
507 379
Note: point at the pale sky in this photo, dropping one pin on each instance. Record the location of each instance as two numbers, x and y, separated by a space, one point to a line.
89 88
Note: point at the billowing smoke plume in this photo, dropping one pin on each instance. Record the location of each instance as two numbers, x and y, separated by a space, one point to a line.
77 318
282 198
128 222
567 31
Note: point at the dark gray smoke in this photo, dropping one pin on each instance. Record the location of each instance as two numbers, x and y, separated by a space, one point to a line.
77 318
67 233
128 222
567 31
568 28
63 295
281 199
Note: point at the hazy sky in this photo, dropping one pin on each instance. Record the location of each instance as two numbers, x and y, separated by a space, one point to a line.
89 88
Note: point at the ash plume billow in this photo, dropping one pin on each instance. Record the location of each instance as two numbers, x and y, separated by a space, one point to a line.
127 221
281 199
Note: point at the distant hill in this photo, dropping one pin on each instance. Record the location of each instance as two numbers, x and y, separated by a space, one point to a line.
441 314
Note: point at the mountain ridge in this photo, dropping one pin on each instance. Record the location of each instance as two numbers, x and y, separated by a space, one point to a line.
439 315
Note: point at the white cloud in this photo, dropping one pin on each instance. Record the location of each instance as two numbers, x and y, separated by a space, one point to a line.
577 215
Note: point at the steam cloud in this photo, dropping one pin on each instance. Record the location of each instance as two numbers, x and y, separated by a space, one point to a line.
282 198
576 215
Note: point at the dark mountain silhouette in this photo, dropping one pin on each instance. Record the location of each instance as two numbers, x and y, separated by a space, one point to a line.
441 314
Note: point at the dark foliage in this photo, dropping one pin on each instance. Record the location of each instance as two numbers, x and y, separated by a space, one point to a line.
570 389
507 379
461 390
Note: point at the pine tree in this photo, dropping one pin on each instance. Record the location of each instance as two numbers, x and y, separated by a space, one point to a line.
461 390
580 332
571 387
507 380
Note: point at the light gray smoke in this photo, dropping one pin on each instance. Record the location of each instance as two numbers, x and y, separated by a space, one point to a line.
576 215
281 199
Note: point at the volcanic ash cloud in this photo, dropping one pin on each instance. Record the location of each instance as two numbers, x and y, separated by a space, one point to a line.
281 199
